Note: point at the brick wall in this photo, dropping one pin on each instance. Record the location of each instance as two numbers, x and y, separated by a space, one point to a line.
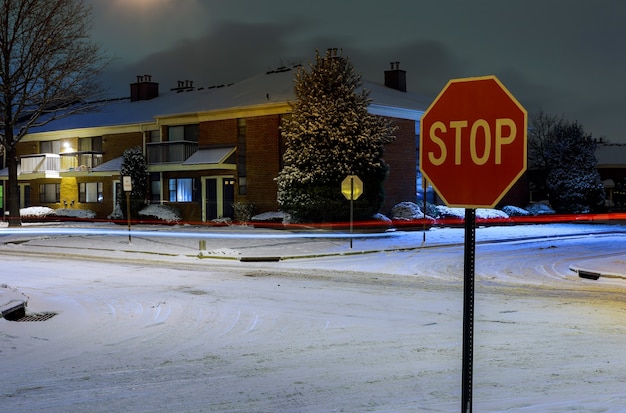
114 145
263 161
27 148
219 132
401 156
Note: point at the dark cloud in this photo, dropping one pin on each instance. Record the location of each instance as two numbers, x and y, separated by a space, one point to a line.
562 56
228 53
429 64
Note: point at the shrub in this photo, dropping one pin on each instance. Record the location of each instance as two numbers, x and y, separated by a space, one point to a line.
514 211
243 211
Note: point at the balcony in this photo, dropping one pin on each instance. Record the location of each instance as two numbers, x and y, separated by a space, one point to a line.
80 161
44 164
170 152
49 165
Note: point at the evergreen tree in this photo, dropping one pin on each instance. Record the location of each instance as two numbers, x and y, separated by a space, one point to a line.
573 181
329 136
134 164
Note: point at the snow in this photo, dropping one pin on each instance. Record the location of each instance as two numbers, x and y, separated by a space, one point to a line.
483 213
263 89
44 212
157 325
161 212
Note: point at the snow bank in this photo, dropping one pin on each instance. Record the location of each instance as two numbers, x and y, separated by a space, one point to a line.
44 212
161 212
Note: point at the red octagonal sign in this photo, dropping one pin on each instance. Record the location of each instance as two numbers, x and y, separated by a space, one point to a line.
473 142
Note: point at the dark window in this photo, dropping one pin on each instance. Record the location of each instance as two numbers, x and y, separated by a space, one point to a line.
241 155
49 193
183 133
155 187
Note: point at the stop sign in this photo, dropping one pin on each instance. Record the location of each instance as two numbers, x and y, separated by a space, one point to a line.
473 142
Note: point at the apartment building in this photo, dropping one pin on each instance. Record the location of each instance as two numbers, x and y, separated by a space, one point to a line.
206 146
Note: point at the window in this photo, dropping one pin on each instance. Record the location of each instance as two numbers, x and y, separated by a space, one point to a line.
241 155
90 144
50 147
183 133
154 136
155 187
90 192
49 193
181 190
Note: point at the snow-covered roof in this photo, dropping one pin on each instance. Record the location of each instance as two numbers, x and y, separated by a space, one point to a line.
269 88
210 156
114 165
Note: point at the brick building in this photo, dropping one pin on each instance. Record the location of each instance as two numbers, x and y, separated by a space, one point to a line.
206 147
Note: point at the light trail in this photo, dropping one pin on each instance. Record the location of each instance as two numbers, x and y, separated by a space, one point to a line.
186 234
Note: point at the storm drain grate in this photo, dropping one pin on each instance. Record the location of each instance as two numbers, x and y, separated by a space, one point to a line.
36 317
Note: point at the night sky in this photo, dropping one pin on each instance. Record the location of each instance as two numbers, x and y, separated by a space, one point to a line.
566 57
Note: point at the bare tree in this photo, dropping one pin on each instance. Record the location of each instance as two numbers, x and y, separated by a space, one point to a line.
541 137
48 69
562 162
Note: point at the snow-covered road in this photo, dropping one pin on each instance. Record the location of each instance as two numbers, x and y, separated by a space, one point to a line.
373 332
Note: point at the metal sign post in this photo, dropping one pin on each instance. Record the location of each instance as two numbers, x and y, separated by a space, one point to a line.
468 309
351 209
128 186
351 188
474 132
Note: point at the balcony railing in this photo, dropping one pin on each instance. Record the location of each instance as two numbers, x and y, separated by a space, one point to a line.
55 163
80 161
40 163
170 152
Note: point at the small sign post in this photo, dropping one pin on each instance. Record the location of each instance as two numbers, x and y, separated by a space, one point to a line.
127 183
352 188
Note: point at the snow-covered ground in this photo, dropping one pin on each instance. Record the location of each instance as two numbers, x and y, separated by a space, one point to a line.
149 326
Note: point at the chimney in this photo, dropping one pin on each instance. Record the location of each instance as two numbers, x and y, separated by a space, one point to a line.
183 86
395 78
143 89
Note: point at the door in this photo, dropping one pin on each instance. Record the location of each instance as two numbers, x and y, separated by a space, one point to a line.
210 199
228 197
218 195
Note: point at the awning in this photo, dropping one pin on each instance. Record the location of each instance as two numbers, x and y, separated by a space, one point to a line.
210 156
114 165
4 173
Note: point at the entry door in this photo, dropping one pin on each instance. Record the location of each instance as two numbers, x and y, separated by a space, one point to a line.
210 200
228 197
24 195
219 195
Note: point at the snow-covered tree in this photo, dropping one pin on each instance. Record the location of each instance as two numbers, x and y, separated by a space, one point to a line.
329 136
564 154
134 164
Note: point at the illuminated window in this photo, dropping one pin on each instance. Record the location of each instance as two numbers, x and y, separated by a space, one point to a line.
90 192
90 144
181 190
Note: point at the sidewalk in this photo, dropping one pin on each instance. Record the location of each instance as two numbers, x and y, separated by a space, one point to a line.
187 243
609 267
